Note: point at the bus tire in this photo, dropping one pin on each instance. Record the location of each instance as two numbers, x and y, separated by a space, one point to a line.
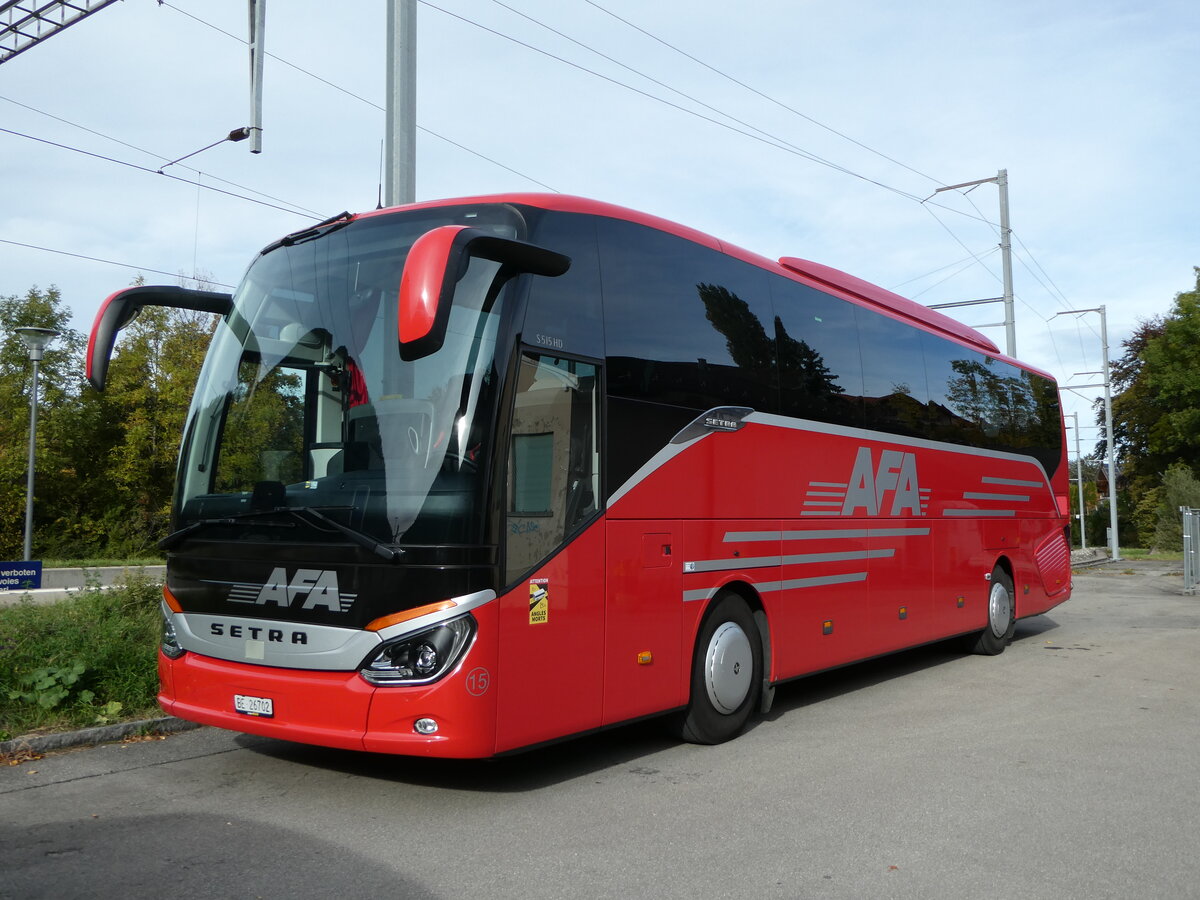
726 673
1001 614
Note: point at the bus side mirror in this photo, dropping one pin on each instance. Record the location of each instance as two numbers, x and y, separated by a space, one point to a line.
122 307
436 262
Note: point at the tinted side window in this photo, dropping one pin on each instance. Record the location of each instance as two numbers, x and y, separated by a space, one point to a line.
984 402
685 325
820 368
962 393
563 313
895 394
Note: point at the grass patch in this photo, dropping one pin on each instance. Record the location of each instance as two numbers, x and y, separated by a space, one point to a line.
96 563
88 660
1162 555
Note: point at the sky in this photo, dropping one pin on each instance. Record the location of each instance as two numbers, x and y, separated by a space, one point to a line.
787 127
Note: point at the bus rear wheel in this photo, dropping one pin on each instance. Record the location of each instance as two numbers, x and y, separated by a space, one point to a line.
726 673
1002 616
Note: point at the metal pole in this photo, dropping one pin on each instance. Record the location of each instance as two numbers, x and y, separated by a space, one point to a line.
1079 479
258 24
1010 326
1111 448
1110 444
34 355
1010 322
400 136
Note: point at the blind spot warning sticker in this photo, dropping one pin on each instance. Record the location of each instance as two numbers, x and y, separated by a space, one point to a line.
539 601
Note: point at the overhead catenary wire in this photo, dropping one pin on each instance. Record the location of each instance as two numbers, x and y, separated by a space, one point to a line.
349 93
140 168
110 262
150 153
771 141
759 93
765 136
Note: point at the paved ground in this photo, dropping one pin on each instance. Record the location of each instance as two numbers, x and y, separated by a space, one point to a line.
1067 767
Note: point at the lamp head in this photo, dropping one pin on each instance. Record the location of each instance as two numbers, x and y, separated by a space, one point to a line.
36 339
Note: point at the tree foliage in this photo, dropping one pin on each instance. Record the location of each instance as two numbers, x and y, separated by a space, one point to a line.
105 463
1156 413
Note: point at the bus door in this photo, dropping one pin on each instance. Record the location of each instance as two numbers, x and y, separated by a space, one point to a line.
551 654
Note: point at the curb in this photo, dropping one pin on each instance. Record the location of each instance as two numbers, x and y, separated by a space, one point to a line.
102 734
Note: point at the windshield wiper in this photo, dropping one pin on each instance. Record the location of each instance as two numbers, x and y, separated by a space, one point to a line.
333 223
364 540
176 536
391 554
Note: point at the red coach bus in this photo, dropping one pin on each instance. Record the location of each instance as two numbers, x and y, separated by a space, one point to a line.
470 476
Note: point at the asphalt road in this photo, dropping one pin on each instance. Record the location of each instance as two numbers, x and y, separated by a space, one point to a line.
1067 767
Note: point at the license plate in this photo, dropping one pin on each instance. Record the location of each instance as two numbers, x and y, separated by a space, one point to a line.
254 706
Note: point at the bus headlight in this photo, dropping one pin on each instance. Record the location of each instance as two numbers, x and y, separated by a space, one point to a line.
170 641
420 657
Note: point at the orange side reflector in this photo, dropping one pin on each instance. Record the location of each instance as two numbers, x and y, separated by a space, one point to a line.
962 601
645 658
409 614
827 626
170 600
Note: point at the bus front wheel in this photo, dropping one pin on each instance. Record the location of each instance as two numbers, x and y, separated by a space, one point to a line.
1001 616
726 673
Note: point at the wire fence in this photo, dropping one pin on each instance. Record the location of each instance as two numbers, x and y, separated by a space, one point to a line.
1191 548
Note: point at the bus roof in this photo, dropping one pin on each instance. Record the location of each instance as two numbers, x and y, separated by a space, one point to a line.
813 274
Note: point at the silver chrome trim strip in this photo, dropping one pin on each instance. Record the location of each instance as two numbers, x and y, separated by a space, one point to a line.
964 513
1018 498
327 648
270 642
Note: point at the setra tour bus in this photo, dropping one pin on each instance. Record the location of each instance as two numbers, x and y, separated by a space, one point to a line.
470 476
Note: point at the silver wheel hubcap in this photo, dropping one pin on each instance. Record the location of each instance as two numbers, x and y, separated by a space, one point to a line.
728 667
999 609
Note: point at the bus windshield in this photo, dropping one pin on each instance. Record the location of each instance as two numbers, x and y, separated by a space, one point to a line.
304 402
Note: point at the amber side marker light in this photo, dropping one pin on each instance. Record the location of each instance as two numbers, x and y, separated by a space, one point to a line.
408 615
645 658
170 600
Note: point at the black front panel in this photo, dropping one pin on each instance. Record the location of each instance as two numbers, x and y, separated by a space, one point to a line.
322 584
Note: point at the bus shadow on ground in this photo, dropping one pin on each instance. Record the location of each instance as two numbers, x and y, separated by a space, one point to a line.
824 686
591 754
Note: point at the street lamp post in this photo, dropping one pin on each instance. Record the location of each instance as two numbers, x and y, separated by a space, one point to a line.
35 340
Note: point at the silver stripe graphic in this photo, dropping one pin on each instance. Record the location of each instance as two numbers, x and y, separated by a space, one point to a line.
1016 498
819 581
819 534
767 587
965 513
717 565
801 559
829 484
1012 482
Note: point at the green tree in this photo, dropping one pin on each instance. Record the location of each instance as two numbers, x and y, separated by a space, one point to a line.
1180 487
1156 414
150 383
60 436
